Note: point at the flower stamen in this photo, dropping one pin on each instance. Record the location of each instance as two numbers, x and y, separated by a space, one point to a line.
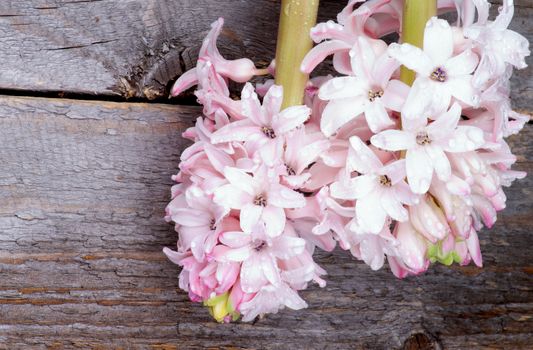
258 245
290 170
439 75
385 181
260 200
269 132
422 138
373 95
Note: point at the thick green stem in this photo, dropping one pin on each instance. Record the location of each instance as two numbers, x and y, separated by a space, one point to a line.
416 13
296 19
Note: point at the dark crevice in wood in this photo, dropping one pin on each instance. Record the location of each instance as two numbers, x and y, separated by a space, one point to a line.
186 100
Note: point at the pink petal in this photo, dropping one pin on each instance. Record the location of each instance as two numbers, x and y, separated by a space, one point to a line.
229 196
240 130
355 188
284 197
445 124
270 270
240 179
235 239
250 215
320 52
226 254
472 242
286 247
392 206
362 159
252 276
394 95
412 247
184 82
191 217
274 220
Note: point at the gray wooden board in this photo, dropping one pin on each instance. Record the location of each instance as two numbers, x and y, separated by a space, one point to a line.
136 48
83 187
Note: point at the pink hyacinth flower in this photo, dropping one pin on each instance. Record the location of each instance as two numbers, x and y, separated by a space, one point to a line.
440 74
379 191
265 126
370 92
427 145
260 198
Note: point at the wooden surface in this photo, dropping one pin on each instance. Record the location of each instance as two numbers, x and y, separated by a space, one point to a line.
84 185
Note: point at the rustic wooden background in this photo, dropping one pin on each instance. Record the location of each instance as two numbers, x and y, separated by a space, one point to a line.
88 142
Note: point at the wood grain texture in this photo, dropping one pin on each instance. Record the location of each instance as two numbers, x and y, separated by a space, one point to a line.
84 186
137 48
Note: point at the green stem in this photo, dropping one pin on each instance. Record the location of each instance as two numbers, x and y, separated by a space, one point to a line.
416 13
296 19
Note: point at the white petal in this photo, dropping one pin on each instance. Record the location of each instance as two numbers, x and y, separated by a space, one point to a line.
361 158
339 112
462 89
412 57
239 179
343 87
462 64
445 124
394 140
464 139
370 214
377 116
419 170
438 41
355 188
250 215
284 197
252 277
440 162
392 206
291 118
274 220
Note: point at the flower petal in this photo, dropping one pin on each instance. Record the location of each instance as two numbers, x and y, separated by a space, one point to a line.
339 112
419 170
284 197
438 41
274 220
343 87
252 276
462 64
465 139
370 214
394 140
377 116
355 188
250 215
412 57
440 162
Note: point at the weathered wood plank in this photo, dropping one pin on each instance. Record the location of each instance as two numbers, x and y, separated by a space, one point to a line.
83 188
138 47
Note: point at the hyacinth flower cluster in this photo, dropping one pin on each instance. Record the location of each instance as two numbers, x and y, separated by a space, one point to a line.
407 174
